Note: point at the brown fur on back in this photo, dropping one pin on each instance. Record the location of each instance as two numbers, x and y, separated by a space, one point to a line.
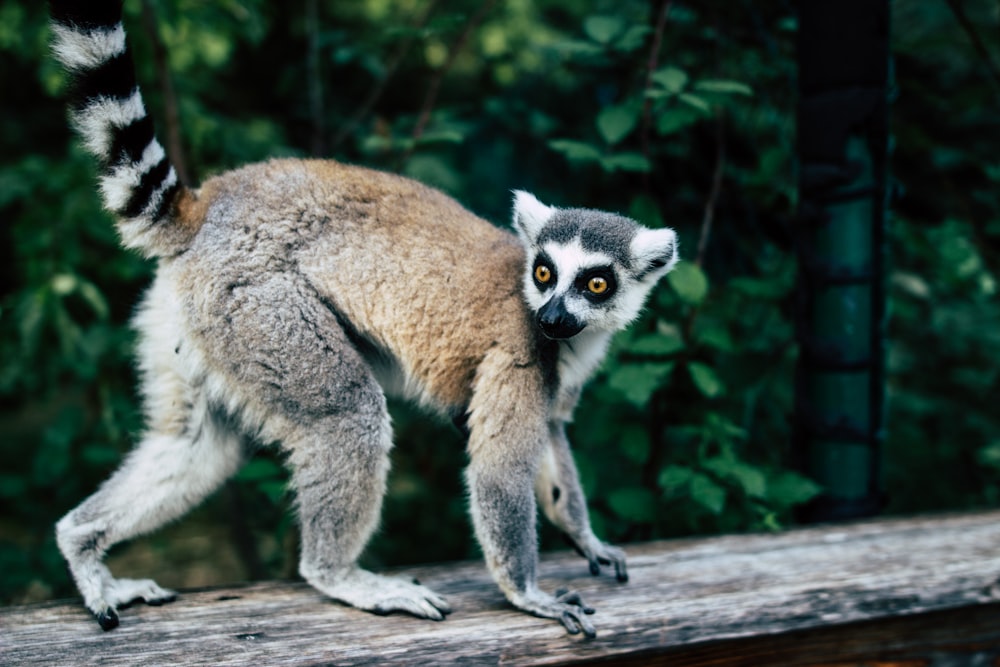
384 252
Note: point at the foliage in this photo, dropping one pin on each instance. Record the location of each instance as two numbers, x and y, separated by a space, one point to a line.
685 428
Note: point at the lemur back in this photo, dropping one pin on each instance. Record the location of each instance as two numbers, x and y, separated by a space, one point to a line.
291 296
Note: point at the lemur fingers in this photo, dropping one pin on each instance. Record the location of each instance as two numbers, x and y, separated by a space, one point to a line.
599 553
123 592
382 595
606 554
568 608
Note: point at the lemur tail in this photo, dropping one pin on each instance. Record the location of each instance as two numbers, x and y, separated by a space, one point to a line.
137 182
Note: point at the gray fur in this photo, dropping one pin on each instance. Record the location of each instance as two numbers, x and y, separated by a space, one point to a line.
598 232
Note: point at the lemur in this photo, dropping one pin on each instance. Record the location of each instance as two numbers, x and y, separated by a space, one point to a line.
290 297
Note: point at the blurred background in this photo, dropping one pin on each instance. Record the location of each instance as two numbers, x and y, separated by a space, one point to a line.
675 113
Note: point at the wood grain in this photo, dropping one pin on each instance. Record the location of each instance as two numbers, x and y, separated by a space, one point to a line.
699 601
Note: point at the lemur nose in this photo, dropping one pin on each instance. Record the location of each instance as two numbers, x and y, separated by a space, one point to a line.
556 322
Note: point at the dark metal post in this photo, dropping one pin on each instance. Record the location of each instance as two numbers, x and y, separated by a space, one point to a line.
843 55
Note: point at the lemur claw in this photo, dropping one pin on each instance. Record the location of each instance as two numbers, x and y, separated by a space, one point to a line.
107 619
567 607
598 553
571 617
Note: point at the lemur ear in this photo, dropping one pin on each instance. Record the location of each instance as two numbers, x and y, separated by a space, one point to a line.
530 215
655 252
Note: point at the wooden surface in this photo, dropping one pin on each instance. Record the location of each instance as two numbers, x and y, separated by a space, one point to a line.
852 592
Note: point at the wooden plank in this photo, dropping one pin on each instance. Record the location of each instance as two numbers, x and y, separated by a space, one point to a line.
966 637
684 596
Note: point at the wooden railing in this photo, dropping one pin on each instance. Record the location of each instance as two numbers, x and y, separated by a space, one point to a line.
907 591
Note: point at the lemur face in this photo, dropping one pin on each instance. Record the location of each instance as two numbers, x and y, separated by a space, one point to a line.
587 268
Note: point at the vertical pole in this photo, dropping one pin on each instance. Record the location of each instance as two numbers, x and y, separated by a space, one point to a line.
843 55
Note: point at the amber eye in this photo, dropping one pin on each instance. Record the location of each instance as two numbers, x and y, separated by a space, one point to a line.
597 285
542 273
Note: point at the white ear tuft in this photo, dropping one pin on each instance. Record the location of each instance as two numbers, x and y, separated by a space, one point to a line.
530 215
655 251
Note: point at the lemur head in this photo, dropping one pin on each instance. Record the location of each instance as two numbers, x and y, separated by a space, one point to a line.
586 268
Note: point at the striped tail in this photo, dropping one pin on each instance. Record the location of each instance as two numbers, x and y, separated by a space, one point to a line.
137 182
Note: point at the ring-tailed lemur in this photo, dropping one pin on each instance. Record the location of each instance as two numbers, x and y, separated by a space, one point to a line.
291 296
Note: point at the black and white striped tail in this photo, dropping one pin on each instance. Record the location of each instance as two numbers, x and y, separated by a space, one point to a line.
137 181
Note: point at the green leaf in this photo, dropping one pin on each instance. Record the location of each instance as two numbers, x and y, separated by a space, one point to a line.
656 344
675 119
705 379
626 162
912 284
580 48
12 486
31 317
441 137
707 493
637 382
616 122
789 23
760 288
747 477
575 151
634 504
723 86
787 489
989 455
689 282
63 284
260 469
92 295
714 334
673 476
635 443
603 29
274 490
633 38
672 79
100 455
696 102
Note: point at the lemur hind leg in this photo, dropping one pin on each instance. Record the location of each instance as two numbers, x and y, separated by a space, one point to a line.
339 467
160 480
558 490
322 402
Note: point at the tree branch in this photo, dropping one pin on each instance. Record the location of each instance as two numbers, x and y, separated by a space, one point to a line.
347 129
435 86
316 140
977 43
651 65
171 116
713 196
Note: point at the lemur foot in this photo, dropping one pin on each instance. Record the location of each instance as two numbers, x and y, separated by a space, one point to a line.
382 595
566 607
120 593
598 553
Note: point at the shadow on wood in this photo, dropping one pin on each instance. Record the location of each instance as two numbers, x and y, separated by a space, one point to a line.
909 591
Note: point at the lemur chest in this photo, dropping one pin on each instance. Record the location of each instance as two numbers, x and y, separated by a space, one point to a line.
578 359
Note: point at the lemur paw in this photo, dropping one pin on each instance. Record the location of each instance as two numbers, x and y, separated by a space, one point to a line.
598 553
120 593
123 592
566 607
107 618
383 595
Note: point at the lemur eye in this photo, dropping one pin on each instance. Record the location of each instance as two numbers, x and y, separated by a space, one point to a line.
597 285
543 274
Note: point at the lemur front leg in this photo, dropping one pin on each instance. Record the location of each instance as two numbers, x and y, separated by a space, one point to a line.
507 434
558 489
